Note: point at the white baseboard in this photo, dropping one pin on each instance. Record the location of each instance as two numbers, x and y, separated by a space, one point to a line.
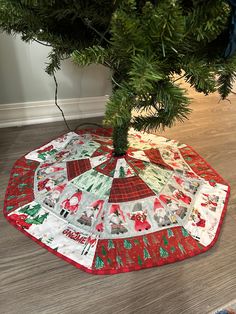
27 113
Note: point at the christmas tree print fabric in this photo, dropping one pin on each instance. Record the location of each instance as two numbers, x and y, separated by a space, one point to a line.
158 204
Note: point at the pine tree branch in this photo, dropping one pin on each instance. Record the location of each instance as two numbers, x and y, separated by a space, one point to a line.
88 23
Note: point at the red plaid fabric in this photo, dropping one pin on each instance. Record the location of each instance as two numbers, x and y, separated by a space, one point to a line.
102 150
97 131
129 189
155 157
136 164
108 167
77 167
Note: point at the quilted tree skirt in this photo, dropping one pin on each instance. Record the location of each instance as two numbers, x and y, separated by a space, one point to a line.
158 204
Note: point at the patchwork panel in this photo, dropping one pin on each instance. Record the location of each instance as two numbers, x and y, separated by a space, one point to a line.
129 189
77 167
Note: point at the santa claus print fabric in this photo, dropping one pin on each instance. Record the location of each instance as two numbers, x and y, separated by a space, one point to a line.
158 204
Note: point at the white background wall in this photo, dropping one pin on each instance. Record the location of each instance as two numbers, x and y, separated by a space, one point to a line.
22 76
27 92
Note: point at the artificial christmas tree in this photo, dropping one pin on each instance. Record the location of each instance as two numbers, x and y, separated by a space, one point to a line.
142 184
144 43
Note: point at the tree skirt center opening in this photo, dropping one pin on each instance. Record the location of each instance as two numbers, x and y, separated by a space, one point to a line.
159 203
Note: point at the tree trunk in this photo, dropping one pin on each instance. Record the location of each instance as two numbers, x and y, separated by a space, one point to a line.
120 139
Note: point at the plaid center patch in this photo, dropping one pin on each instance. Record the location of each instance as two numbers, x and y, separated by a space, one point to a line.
77 167
136 164
155 157
129 189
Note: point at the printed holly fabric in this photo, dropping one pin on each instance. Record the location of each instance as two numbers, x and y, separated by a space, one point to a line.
158 204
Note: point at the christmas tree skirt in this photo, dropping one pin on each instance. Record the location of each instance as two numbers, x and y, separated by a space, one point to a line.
158 204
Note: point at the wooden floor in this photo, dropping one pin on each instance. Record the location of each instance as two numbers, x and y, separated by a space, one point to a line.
33 281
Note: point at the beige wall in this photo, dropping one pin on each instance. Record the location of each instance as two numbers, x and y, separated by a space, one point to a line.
22 76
